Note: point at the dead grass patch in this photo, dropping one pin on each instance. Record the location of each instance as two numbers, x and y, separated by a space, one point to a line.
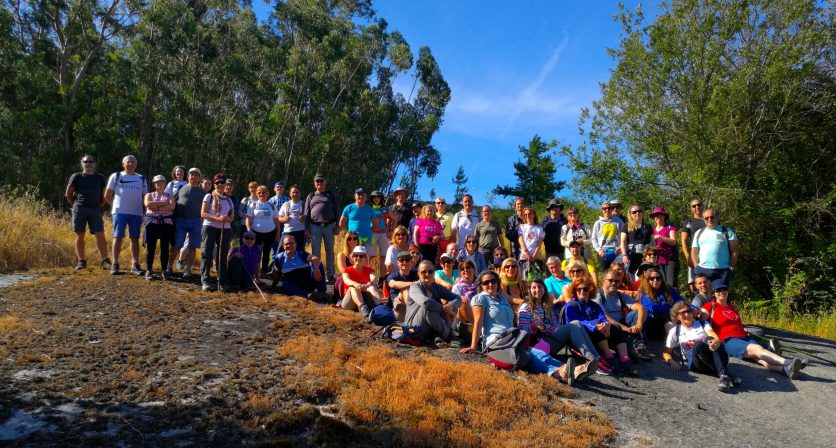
132 375
9 324
432 402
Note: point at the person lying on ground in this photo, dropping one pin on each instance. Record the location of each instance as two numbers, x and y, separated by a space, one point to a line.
360 282
397 285
448 274
432 307
623 312
244 263
657 297
300 272
700 348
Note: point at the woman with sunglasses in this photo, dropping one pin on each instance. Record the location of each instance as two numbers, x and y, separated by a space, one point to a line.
513 285
471 252
427 233
657 297
263 220
574 230
537 317
726 321
351 240
530 238
576 271
360 284
603 334
448 274
493 315
399 243
664 234
466 288
700 347
650 259
636 236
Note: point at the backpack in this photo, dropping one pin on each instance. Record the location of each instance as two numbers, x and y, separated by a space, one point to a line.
382 315
561 317
510 350
400 333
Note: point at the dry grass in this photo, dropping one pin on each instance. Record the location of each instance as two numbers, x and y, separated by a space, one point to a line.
49 240
823 326
428 401
9 324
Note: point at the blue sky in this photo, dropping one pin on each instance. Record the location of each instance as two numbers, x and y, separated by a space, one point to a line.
515 69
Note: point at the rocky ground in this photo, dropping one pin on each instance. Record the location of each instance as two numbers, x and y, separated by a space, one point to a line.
87 359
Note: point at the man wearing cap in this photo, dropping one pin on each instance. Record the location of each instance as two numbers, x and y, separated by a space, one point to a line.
217 211
552 225
381 232
464 221
401 211
689 227
279 198
714 249
85 192
321 214
187 203
431 307
357 217
125 192
446 220
244 262
512 227
606 237
398 284
616 211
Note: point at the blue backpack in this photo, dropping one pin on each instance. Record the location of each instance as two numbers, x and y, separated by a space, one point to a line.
382 315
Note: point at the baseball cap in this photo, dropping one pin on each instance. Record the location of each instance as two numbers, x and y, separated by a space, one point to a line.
376 193
278 184
404 254
719 284
158 178
220 177
554 203
318 176
195 170
359 191
359 250
249 233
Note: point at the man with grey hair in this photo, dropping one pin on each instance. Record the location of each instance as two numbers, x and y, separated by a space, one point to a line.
125 192
432 307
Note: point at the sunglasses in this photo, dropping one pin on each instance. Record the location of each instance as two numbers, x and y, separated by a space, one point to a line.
651 255
405 260
425 272
696 205
466 268
606 208
511 266
440 203
709 218
684 313
635 212
353 238
358 256
249 237
400 234
319 181
721 290
575 271
654 279
582 289
489 282
220 183
88 161
446 261
470 242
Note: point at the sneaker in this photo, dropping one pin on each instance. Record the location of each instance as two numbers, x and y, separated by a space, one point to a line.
167 274
774 346
330 280
82 264
791 367
566 373
804 363
455 343
136 269
148 275
187 276
584 370
737 381
364 311
114 268
725 384
313 296
179 265
605 366
439 342
106 263
207 287
630 369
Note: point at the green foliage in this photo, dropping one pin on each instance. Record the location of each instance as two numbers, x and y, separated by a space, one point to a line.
460 181
535 174
734 102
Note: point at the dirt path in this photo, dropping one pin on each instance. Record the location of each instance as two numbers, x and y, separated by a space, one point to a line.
172 366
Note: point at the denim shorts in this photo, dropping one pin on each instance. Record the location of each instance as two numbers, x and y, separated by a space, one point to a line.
192 226
737 346
132 222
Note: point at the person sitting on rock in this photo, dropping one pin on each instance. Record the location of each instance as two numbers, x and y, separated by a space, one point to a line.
398 283
243 264
301 273
360 282
431 307
657 297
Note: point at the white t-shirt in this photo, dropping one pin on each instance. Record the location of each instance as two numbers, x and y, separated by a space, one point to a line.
464 226
174 185
690 336
128 193
532 235
392 256
294 211
224 210
263 215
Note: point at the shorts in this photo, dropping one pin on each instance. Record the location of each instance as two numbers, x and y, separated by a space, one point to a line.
737 346
192 226
378 245
122 220
84 217
348 304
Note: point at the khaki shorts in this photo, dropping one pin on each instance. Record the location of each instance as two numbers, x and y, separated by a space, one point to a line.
378 245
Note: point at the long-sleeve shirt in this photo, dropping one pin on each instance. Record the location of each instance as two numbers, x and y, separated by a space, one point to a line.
588 313
658 306
430 296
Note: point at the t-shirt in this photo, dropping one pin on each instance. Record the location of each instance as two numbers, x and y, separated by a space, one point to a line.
252 257
128 192
263 215
379 222
225 207
360 219
286 263
403 214
88 190
363 276
551 234
427 230
443 276
321 208
487 233
714 247
174 185
531 235
446 221
687 337
637 239
666 252
612 305
699 300
498 315
464 223
691 225
294 211
555 285
187 202
398 277
725 321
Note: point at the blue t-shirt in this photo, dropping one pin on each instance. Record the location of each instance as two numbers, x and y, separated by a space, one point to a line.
498 315
298 261
713 246
360 219
555 285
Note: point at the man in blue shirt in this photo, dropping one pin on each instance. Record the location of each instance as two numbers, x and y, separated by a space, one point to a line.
358 217
714 249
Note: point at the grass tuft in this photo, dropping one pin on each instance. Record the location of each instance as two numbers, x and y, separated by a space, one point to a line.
822 325
49 241
9 324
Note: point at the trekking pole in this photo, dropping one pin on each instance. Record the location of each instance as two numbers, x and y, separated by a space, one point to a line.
255 283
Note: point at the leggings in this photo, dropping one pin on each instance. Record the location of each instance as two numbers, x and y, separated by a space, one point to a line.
157 232
669 270
265 241
428 252
708 362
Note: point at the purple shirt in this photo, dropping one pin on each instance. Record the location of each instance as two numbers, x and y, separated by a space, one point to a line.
252 257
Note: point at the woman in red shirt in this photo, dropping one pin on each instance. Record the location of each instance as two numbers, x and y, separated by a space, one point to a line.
725 320
360 284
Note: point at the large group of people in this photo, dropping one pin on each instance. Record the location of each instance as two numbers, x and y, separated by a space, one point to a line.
592 294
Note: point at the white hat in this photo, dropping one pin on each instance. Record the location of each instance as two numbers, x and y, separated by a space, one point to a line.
158 178
359 250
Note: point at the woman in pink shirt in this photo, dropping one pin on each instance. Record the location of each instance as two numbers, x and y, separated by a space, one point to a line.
664 235
427 233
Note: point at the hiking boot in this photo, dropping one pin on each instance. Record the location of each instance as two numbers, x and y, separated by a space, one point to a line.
791 367
584 370
364 311
774 346
149 275
725 384
114 268
167 274
82 264
136 269
605 366
187 276
106 263
314 296
179 265
804 363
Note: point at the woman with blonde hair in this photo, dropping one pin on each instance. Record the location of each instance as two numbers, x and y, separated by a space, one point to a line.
397 244
636 236
511 282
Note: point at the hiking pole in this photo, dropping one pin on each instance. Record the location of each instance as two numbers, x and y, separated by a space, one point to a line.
255 283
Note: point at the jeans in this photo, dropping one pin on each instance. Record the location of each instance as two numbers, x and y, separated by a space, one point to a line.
319 233
212 238
300 282
541 362
708 362
714 274
574 335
